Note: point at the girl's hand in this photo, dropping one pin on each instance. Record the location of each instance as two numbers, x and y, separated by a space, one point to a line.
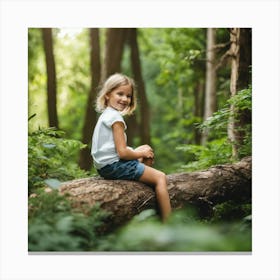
148 161
146 151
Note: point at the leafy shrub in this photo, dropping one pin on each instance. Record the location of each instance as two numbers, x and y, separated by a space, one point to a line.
218 148
54 225
52 157
214 152
231 210
182 233
218 123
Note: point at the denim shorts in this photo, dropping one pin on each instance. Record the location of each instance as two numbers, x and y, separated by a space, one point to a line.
123 170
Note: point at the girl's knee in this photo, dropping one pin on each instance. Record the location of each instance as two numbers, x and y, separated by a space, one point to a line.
161 177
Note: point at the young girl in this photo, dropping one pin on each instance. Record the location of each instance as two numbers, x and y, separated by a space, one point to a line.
112 158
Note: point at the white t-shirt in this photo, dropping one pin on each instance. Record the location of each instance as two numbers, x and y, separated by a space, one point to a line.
103 148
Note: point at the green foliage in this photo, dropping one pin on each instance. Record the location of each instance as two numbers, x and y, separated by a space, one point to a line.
37 96
174 73
173 67
218 150
54 225
182 233
230 211
202 157
242 101
51 157
72 55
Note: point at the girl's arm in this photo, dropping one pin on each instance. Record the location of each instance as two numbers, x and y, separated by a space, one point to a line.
123 151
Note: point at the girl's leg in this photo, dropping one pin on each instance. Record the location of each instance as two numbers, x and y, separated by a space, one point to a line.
158 179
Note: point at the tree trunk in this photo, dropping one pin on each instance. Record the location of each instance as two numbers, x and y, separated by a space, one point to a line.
144 105
115 38
210 84
132 128
51 76
85 161
204 189
198 108
245 62
244 80
235 56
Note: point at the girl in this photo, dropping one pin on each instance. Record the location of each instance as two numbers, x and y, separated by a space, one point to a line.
112 158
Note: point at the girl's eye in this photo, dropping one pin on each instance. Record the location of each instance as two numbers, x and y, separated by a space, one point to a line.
122 94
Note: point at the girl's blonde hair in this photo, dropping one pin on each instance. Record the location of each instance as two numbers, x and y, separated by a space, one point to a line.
114 81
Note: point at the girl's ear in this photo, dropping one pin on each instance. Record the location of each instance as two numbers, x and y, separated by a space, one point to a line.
107 96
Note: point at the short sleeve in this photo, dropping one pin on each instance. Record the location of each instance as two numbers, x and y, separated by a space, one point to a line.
113 117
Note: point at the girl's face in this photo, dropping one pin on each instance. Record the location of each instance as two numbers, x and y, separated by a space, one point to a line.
119 98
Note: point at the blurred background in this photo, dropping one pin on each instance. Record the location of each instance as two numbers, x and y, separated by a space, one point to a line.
183 75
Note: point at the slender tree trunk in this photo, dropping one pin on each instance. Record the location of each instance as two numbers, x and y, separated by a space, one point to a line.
51 76
144 105
235 56
115 38
210 85
198 108
85 161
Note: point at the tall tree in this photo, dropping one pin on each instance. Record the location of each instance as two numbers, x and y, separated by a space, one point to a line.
115 42
210 105
137 72
244 77
115 39
235 56
240 52
85 161
245 62
51 77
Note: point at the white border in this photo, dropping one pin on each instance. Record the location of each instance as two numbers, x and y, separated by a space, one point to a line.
17 16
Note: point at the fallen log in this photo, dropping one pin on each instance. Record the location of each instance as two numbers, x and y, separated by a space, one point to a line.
124 199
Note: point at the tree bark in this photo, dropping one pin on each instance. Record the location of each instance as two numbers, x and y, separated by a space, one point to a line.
115 39
51 76
235 58
210 84
244 80
198 108
245 61
144 105
203 189
85 160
